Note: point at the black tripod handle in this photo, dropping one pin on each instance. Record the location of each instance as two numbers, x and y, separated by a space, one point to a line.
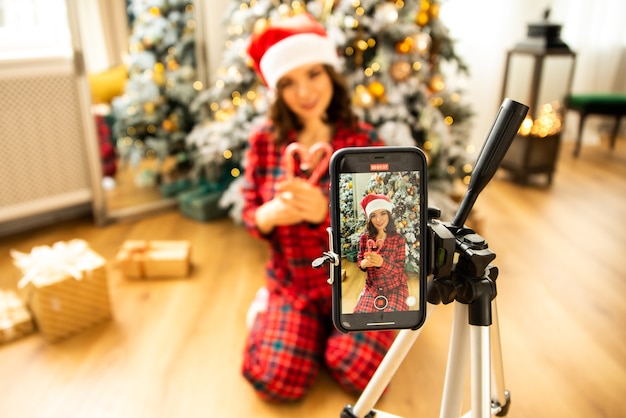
503 131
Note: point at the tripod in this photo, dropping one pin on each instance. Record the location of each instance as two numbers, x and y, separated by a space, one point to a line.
475 305
461 273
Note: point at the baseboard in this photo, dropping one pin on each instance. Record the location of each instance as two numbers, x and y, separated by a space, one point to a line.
44 219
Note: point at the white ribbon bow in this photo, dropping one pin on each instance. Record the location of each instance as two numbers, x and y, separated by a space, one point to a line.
45 264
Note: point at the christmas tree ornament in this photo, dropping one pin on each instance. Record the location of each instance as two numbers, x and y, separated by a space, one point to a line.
172 65
362 98
405 46
327 8
386 13
149 107
168 125
260 25
400 71
284 10
422 42
436 83
376 89
433 10
422 18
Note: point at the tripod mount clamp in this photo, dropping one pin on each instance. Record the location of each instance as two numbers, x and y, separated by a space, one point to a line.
470 279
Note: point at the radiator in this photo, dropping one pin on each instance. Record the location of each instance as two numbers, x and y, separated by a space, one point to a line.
43 157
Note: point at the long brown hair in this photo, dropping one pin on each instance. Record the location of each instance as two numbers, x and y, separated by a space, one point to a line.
339 109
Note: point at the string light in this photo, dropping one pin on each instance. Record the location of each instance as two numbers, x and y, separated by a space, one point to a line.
547 123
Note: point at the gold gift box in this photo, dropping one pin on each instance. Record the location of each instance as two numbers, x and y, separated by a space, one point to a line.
152 259
15 320
69 297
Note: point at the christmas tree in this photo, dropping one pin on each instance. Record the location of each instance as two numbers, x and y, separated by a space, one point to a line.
402 191
396 56
152 117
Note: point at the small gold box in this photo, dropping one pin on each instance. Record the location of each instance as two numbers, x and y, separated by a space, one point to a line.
153 259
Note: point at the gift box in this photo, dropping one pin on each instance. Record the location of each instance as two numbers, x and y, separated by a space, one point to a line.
15 319
65 287
202 203
151 259
174 188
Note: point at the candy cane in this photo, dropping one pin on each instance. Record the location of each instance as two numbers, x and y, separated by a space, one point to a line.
378 244
322 166
306 159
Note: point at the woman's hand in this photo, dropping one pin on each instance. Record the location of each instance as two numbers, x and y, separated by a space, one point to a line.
306 199
371 259
276 212
295 201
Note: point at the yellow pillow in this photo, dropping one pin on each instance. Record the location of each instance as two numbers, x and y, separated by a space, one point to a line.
107 84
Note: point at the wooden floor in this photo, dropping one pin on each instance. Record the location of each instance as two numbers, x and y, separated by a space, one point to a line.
174 346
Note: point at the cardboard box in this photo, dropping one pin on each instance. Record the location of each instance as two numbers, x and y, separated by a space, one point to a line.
15 319
152 259
65 287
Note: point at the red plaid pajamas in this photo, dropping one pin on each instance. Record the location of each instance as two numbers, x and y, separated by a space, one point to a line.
388 281
294 337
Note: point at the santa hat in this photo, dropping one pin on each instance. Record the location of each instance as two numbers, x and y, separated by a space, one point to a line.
290 43
373 202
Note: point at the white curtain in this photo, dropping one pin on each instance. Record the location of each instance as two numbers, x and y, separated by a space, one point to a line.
485 30
597 32
104 32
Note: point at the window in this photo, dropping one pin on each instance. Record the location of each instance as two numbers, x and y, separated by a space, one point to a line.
33 28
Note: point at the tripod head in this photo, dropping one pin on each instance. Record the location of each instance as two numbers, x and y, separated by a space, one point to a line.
449 238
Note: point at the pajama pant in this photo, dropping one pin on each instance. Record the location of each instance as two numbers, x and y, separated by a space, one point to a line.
290 341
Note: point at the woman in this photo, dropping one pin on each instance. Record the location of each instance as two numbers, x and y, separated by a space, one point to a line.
292 336
382 254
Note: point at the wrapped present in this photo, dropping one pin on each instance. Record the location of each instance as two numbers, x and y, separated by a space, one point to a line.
65 287
173 188
15 319
202 203
149 259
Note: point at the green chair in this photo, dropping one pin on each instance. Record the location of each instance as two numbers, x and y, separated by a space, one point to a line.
604 104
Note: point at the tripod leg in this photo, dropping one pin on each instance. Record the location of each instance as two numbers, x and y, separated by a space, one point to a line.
500 397
458 356
480 371
387 368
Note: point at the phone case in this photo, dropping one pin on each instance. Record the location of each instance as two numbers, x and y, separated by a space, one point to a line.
380 280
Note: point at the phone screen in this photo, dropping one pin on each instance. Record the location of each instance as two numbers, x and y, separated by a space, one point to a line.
379 226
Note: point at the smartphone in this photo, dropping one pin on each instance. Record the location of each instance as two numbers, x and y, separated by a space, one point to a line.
378 205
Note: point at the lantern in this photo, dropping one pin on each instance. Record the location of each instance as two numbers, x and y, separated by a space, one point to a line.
538 72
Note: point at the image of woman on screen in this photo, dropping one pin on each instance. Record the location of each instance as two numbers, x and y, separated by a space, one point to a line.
382 254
